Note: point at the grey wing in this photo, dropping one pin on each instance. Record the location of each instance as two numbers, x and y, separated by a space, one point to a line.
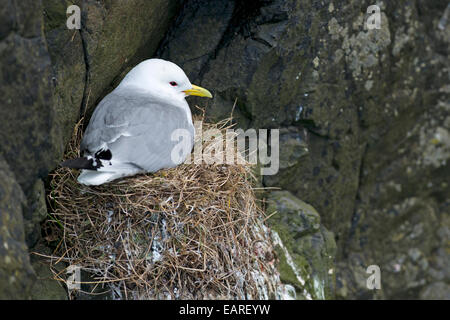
150 135
107 123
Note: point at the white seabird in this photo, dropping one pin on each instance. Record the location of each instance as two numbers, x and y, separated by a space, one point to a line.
132 129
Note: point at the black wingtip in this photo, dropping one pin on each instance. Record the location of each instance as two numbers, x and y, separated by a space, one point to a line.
80 163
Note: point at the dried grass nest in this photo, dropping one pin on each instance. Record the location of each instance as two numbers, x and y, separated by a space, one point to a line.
192 232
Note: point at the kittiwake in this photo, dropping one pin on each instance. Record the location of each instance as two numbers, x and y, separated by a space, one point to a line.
139 126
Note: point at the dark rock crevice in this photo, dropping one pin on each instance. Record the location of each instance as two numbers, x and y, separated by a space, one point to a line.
84 101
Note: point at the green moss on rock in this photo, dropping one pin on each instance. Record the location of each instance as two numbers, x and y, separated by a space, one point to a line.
305 248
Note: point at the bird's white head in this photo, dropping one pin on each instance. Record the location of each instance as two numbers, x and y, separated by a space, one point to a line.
162 78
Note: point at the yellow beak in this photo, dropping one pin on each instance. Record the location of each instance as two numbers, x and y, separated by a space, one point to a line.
198 91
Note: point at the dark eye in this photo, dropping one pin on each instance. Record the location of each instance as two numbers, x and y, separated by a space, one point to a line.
173 83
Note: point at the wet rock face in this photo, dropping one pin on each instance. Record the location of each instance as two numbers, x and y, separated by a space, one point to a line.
117 35
16 274
29 140
364 120
49 77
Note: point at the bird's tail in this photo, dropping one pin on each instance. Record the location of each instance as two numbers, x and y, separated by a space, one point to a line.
81 163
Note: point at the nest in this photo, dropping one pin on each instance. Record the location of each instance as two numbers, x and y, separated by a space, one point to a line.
192 232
